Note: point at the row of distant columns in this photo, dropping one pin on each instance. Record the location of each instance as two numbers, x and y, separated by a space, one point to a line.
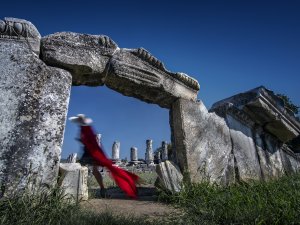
149 156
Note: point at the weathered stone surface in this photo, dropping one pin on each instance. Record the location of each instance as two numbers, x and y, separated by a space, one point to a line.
72 158
265 109
267 156
164 149
244 150
73 179
290 160
203 143
149 157
133 154
96 60
135 72
33 102
169 176
257 142
85 56
19 30
116 151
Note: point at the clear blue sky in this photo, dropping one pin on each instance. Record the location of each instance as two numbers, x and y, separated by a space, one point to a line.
228 46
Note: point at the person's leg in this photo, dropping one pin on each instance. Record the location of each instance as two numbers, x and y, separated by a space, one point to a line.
98 176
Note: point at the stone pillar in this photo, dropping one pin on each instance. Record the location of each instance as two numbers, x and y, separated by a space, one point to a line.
158 157
99 139
72 158
149 152
116 151
133 154
203 143
164 149
34 100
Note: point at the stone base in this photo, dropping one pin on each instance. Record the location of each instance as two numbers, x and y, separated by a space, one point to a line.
169 176
73 179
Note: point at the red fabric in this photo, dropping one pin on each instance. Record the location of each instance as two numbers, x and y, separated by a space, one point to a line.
124 179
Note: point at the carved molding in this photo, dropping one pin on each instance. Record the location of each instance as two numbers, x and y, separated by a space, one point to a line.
230 109
12 28
270 99
182 77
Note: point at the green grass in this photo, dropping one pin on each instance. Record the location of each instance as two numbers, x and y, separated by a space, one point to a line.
273 202
50 208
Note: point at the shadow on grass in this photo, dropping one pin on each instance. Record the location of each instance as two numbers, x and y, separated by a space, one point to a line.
144 193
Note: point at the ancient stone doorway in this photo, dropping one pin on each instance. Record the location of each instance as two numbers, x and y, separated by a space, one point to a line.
118 118
127 121
38 77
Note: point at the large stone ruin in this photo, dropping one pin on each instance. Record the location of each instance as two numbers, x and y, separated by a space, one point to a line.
245 137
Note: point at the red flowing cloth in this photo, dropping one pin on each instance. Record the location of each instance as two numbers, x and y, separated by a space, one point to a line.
124 179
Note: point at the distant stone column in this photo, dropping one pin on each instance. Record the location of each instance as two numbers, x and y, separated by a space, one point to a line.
158 157
164 153
72 158
99 139
116 151
133 154
149 152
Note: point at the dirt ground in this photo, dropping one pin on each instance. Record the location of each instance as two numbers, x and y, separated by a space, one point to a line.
145 206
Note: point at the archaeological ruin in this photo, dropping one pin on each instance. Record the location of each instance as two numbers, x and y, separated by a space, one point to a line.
249 136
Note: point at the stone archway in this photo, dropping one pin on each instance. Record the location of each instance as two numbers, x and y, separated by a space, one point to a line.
96 60
38 74
242 138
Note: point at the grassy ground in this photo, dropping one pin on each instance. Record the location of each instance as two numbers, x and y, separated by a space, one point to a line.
50 209
274 202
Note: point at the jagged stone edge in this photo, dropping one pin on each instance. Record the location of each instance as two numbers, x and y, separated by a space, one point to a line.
103 40
148 57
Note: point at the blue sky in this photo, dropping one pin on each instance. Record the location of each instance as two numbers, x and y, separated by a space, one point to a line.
228 46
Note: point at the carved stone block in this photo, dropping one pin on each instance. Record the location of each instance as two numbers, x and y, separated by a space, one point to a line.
203 144
19 30
95 60
85 56
73 180
169 176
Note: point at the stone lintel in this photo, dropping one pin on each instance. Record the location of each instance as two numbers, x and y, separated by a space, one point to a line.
95 60
85 56
147 79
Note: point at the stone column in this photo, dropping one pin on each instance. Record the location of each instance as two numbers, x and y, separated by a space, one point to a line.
149 152
72 158
99 139
164 153
133 154
116 151
34 100
158 157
